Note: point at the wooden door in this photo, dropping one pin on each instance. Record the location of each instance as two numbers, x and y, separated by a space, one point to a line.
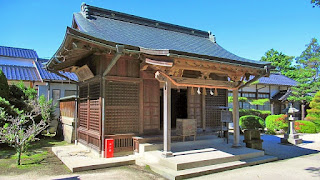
151 106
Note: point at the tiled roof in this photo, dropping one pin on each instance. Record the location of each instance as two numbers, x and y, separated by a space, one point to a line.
277 79
20 73
18 52
150 34
46 75
282 95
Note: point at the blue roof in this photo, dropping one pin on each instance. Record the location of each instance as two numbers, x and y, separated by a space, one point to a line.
46 75
150 34
18 52
277 79
20 73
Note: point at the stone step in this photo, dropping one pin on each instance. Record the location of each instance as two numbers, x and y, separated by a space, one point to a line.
205 157
200 171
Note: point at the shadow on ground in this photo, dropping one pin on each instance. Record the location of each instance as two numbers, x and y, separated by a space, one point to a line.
273 147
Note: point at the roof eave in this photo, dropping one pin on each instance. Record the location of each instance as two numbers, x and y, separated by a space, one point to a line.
72 33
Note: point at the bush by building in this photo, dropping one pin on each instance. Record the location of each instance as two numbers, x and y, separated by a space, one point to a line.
251 122
305 127
276 123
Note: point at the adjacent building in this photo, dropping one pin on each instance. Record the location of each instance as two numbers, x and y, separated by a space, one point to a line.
276 88
24 65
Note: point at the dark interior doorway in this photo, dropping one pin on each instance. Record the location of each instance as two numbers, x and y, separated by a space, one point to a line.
178 106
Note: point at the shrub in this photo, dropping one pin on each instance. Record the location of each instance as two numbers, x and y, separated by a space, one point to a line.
276 123
4 87
314 112
251 122
305 127
260 113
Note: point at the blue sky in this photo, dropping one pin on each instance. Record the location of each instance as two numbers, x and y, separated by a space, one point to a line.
247 28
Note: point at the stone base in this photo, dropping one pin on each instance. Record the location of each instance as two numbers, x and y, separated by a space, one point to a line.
166 154
254 144
292 139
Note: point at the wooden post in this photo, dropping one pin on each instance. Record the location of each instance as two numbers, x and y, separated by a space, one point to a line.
167 119
236 129
203 111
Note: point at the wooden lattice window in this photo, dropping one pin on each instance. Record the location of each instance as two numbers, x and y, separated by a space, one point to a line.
122 107
213 113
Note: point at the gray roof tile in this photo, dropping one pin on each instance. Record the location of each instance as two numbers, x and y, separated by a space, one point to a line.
135 31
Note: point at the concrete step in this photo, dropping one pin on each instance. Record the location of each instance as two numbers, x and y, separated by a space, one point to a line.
260 160
205 157
200 171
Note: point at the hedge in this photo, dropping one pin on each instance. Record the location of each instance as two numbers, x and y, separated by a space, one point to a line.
251 122
305 127
276 123
260 113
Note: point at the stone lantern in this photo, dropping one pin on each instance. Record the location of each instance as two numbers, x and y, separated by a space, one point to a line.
291 136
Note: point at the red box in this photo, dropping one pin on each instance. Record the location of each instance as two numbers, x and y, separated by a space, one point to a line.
108 148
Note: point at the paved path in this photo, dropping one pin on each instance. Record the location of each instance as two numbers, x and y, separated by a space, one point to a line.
298 162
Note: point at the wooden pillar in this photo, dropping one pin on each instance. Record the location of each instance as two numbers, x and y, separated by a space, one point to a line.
236 129
203 103
167 119
272 108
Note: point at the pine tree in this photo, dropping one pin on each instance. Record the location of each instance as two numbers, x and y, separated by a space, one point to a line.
314 112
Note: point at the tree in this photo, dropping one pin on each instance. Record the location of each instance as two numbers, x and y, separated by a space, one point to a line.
302 92
4 87
282 62
314 112
310 58
23 129
315 3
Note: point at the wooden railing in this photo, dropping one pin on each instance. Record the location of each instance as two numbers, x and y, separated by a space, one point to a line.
122 142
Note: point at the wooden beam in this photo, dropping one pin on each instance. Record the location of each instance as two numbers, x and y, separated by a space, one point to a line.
236 129
208 82
114 60
167 119
190 82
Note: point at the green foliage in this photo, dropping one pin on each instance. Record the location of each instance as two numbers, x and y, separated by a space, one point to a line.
310 58
251 122
4 87
260 102
302 92
240 99
314 112
305 127
282 62
260 113
315 3
276 123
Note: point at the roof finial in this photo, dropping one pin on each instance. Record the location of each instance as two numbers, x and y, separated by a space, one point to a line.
85 10
212 37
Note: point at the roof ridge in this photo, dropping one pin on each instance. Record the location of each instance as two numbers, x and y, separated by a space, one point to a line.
88 11
18 48
16 66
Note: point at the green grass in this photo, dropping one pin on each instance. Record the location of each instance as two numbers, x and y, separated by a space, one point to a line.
38 158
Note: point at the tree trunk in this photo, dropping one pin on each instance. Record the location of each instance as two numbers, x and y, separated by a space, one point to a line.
19 155
302 111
